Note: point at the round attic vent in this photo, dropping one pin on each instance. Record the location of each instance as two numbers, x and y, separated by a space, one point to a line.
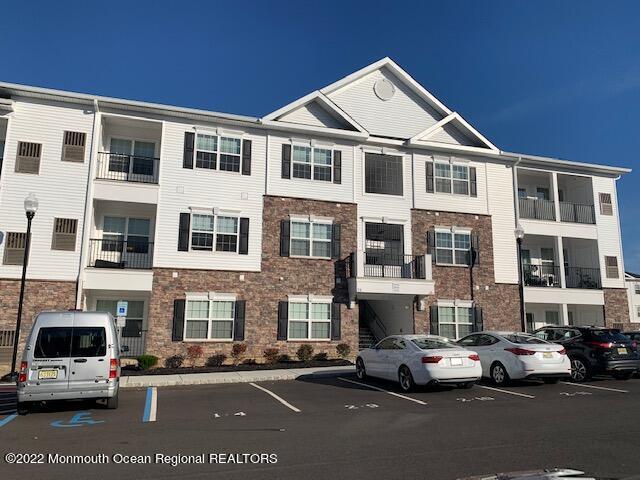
384 89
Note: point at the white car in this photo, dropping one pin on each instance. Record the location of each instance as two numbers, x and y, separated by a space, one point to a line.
516 355
419 360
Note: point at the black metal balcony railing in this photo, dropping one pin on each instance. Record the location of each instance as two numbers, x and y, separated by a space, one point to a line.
127 168
537 209
391 266
577 213
582 277
541 275
134 253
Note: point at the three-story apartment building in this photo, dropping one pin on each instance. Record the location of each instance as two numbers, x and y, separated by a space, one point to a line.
365 208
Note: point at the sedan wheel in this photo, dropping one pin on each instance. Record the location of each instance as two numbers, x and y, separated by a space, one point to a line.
579 371
406 379
498 374
361 373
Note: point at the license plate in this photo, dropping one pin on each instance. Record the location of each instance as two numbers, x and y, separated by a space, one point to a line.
622 351
44 374
456 362
547 355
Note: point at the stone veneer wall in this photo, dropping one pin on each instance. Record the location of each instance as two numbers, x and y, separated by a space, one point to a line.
280 276
39 295
500 302
616 308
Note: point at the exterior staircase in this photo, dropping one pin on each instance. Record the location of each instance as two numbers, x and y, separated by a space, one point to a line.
365 337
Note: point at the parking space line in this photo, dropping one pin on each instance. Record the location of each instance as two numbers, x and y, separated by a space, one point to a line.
595 386
277 397
383 390
506 391
150 405
7 419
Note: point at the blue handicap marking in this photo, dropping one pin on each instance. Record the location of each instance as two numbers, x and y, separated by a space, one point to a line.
79 419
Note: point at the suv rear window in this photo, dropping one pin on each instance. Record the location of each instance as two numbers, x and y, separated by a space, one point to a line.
607 336
61 342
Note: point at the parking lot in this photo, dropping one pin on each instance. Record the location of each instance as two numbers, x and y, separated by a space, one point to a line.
340 427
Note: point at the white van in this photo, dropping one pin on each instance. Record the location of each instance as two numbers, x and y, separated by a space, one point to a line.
70 355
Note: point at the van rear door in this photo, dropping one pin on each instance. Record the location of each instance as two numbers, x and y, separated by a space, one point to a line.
50 359
89 360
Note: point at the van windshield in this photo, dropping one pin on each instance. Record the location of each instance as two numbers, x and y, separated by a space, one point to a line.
61 342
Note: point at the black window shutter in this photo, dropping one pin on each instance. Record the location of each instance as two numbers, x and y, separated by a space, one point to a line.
478 319
431 244
337 166
285 236
429 167
286 161
473 186
434 327
238 324
177 331
335 321
475 249
183 232
335 241
246 157
189 142
243 248
420 267
283 320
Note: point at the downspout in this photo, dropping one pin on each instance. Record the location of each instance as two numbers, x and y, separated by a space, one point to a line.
88 204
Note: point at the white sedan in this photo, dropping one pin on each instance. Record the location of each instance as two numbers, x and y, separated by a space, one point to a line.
515 355
419 360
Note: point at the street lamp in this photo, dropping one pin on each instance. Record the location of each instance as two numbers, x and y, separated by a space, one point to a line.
30 209
519 233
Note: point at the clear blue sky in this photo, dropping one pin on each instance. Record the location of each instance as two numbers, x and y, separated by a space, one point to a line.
556 78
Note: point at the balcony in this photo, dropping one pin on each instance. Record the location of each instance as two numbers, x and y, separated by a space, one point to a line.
375 276
121 254
577 213
127 168
541 275
537 209
582 277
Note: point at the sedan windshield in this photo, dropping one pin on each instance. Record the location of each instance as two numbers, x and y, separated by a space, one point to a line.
519 338
432 343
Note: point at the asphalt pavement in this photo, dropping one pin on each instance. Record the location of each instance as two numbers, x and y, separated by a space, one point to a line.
337 428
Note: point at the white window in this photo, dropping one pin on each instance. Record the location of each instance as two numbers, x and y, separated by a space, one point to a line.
220 231
455 322
217 152
309 320
453 248
452 178
134 157
311 239
209 320
637 288
312 163
125 234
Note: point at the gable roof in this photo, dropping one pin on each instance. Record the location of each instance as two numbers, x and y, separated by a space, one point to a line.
453 119
632 276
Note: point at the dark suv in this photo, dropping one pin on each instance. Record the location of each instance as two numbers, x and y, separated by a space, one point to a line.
595 350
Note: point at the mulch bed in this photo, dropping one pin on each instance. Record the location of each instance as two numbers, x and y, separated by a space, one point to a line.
133 371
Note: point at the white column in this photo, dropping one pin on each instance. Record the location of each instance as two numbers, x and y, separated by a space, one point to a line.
560 255
555 198
564 313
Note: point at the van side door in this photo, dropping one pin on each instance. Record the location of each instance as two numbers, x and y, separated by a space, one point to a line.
89 355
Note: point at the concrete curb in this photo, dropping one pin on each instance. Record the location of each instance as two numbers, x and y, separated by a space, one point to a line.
231 377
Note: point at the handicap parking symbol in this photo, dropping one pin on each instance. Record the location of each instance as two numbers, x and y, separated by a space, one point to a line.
79 419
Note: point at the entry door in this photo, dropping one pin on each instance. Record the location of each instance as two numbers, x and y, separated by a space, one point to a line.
134 331
384 250
89 356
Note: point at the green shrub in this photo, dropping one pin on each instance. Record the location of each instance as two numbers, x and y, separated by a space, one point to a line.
174 362
237 352
344 350
216 360
321 357
271 355
305 352
145 362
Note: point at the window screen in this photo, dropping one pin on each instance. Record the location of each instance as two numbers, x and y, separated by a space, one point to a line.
383 174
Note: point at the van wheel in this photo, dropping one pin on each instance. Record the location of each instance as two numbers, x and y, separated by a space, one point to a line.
112 402
23 408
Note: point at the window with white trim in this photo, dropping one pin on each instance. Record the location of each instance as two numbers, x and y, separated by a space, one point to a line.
453 248
637 288
313 163
451 178
455 321
309 320
218 152
209 320
310 239
214 231
638 311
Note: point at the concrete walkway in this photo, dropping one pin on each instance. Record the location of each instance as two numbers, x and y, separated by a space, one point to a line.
231 377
